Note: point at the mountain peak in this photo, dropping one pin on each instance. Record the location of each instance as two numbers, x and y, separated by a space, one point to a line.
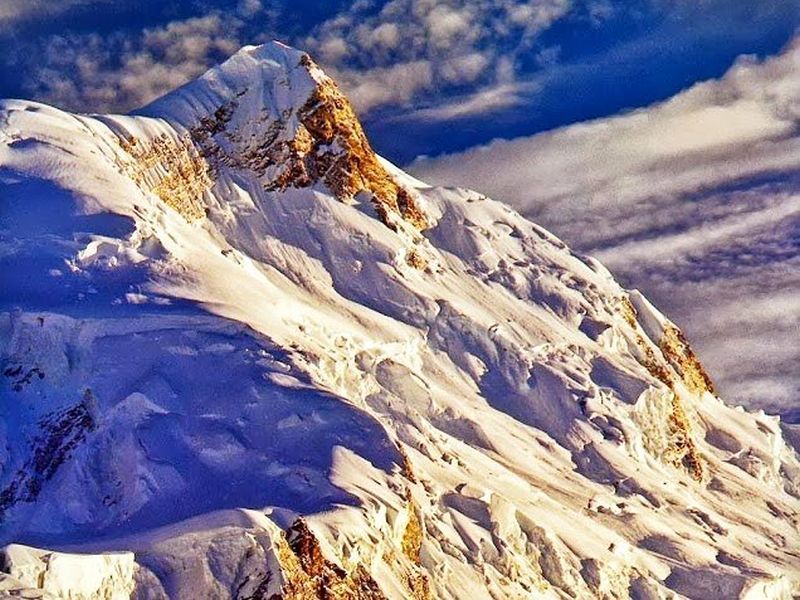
270 111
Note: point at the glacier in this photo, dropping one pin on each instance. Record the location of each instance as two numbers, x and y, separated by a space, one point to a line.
245 357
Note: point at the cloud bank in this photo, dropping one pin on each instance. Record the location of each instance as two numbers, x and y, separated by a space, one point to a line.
124 70
695 200
389 54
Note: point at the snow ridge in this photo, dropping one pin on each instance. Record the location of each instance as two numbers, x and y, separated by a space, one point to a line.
244 357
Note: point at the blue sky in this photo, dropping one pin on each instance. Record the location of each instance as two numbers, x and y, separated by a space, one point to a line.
428 77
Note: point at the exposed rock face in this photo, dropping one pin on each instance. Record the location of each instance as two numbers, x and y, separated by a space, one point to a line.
330 145
683 449
679 353
310 576
59 434
412 537
318 142
670 358
21 377
171 169
411 544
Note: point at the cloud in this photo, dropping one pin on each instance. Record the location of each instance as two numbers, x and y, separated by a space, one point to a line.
400 53
435 48
716 132
484 101
695 200
440 50
14 12
249 8
398 83
120 71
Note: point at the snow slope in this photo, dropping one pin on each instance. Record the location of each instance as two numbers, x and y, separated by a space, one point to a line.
243 357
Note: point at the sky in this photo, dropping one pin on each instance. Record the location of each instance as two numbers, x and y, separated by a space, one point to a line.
475 69
658 135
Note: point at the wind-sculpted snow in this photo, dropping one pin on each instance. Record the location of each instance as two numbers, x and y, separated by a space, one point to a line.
272 393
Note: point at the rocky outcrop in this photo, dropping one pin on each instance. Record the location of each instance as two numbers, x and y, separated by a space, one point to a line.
172 169
673 357
320 141
21 377
330 145
59 435
682 452
304 573
676 349
411 544
308 575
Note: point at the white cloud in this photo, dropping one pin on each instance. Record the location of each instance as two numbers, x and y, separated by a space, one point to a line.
333 50
386 35
715 132
445 22
119 72
465 68
696 200
402 53
383 85
483 101
249 8
434 47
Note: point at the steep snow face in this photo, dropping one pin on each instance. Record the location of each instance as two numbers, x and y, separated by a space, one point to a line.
243 350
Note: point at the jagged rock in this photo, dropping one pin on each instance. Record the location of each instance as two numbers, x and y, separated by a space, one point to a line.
319 578
320 141
172 169
58 435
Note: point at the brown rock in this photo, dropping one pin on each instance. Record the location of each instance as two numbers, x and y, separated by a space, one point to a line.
683 451
679 353
172 169
676 358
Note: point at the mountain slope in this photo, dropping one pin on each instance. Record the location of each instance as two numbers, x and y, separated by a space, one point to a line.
245 357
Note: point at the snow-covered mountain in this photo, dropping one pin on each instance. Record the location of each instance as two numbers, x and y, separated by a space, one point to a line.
244 357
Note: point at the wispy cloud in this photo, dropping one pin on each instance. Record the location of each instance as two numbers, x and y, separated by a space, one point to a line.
123 71
481 102
696 200
14 12
414 48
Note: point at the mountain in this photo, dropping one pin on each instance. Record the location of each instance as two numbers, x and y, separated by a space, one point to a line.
245 357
